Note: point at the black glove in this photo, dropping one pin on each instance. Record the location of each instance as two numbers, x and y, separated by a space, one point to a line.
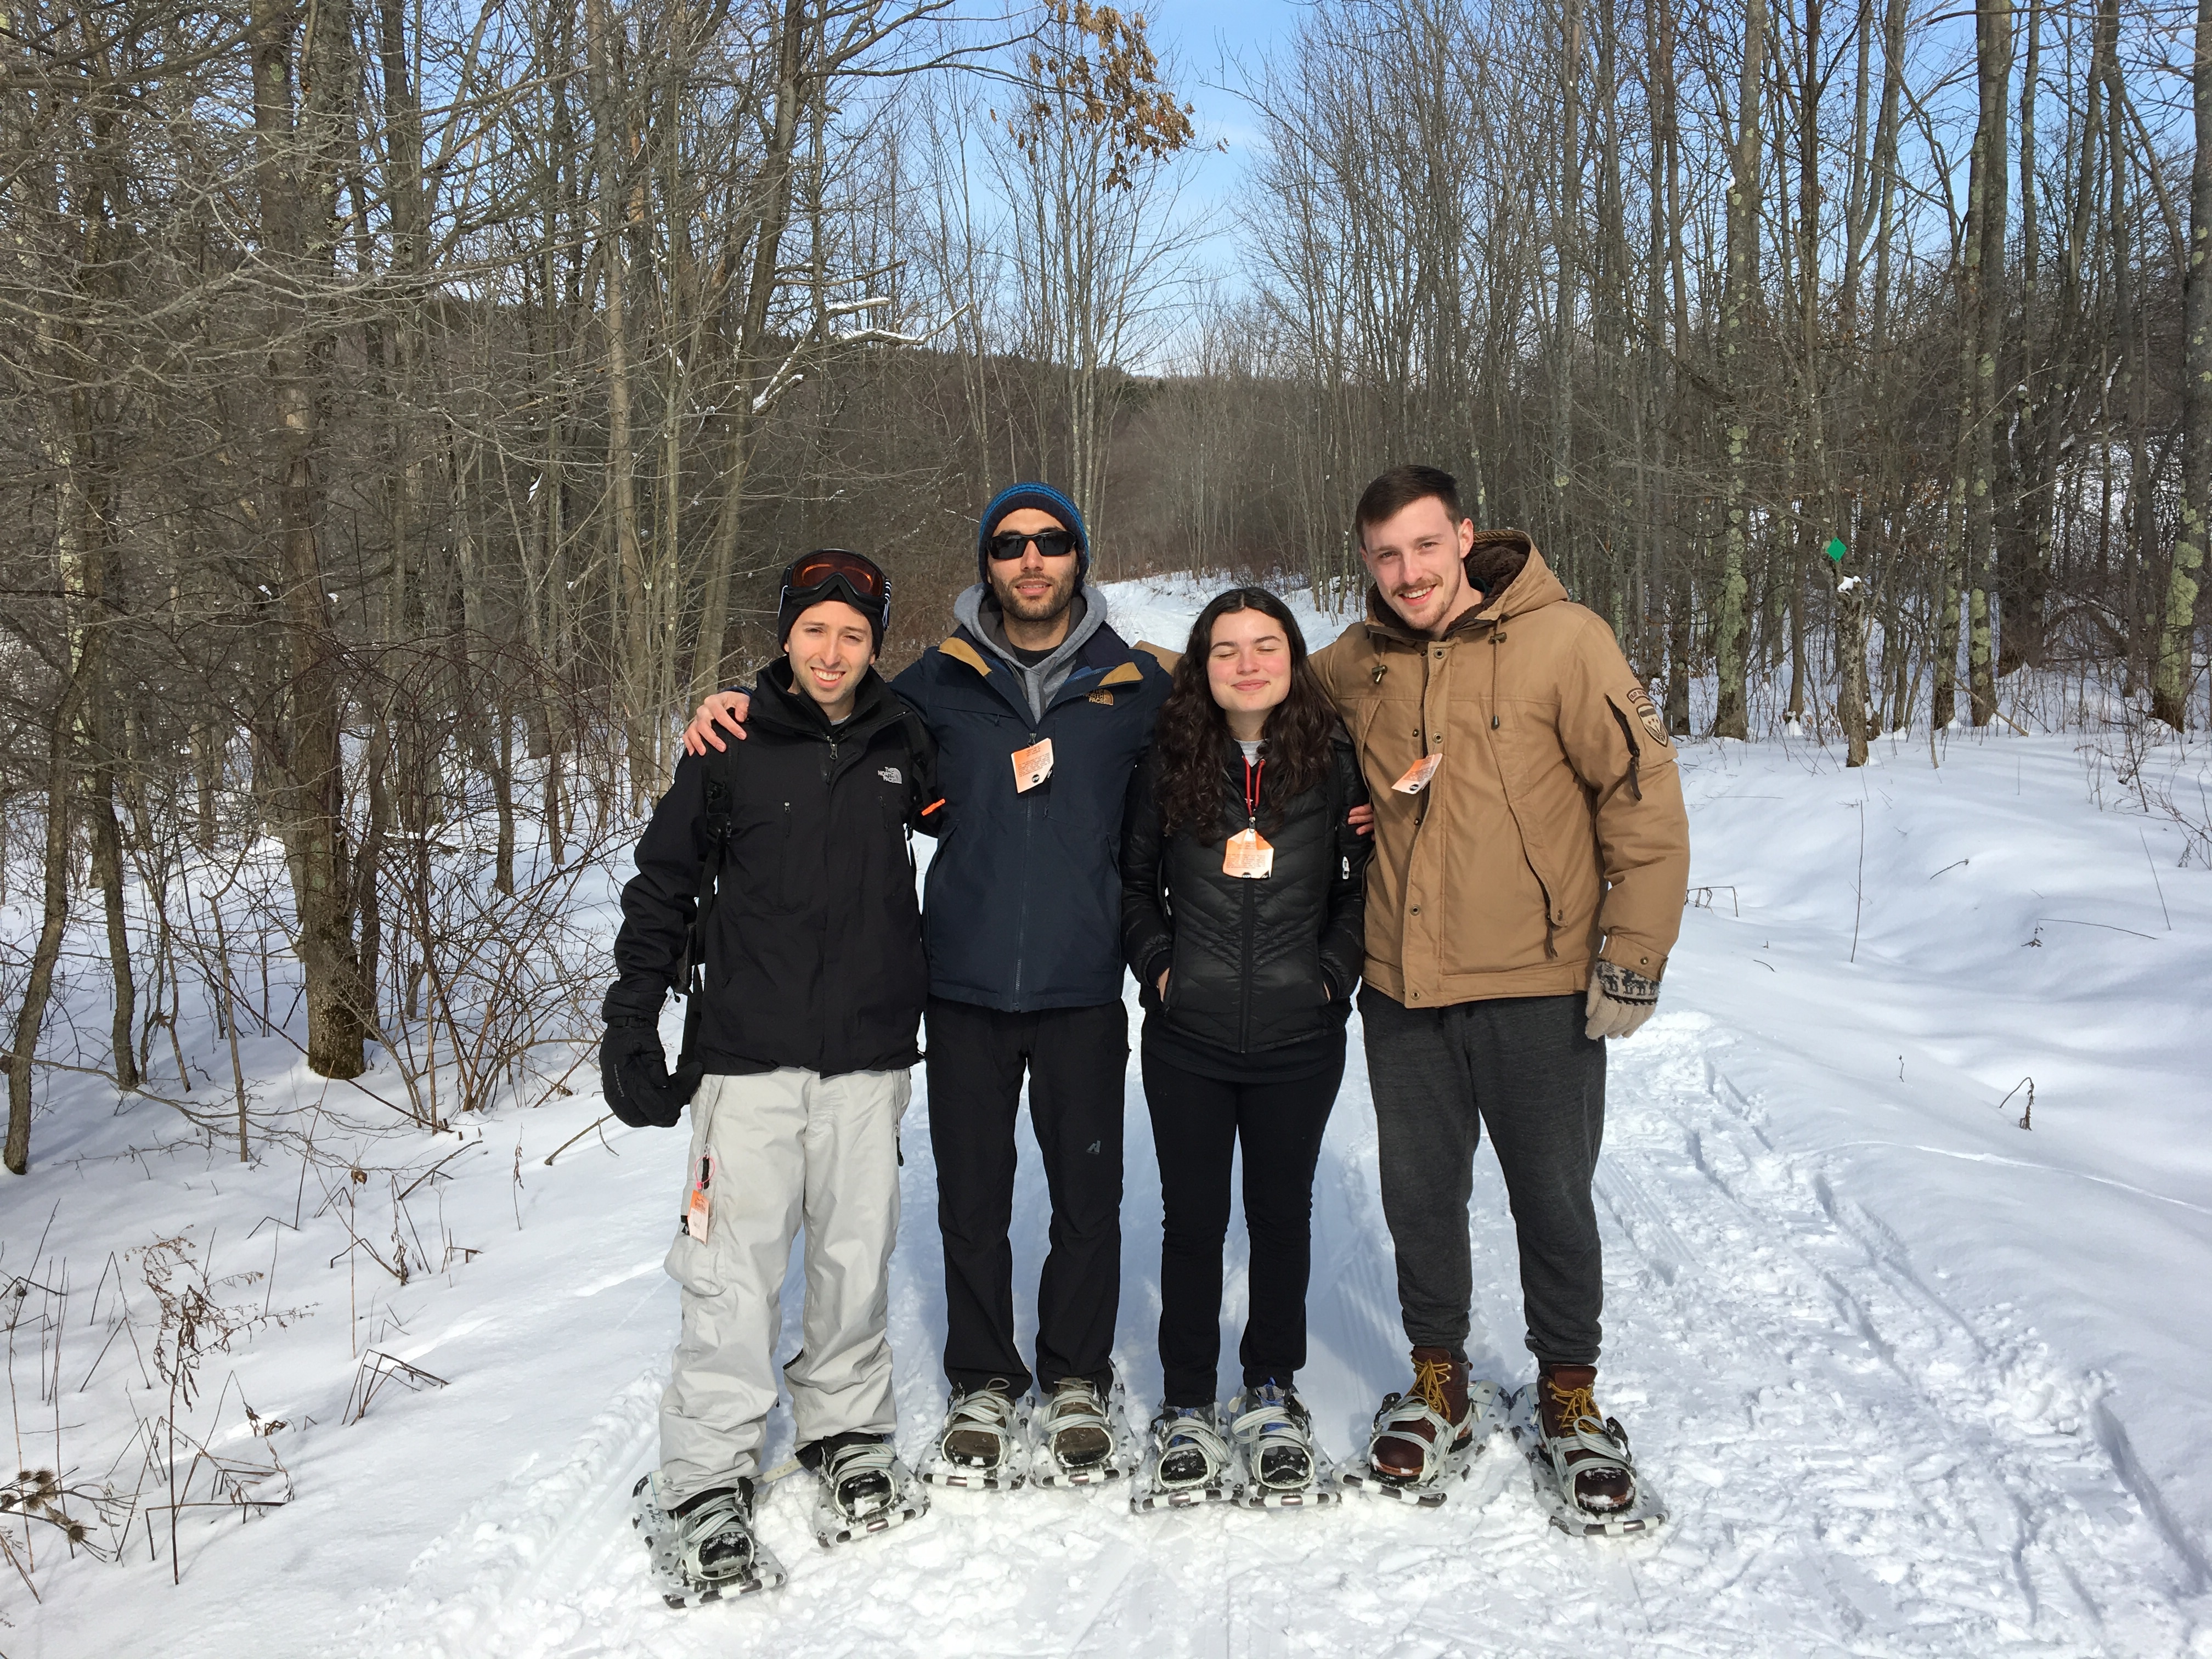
633 1075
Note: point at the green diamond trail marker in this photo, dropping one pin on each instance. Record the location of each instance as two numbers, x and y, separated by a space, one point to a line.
1836 549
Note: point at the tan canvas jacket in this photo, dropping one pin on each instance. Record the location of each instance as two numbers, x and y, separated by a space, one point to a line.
1554 824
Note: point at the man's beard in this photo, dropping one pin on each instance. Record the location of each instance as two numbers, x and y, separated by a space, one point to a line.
1047 609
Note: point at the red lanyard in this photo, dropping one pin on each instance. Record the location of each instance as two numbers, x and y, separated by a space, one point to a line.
1252 771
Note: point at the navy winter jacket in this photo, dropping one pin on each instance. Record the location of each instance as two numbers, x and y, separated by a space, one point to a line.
1023 901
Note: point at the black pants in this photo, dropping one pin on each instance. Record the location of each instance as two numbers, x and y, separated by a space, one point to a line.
1522 1066
1077 1059
1197 1124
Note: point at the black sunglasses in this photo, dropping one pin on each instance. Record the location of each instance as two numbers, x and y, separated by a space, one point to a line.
1007 544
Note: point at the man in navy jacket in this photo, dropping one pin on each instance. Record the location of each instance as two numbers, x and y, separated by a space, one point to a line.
1039 711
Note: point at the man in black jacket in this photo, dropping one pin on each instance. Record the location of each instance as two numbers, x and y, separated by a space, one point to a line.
808 990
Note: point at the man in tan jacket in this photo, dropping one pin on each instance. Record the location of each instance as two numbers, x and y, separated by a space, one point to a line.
1532 857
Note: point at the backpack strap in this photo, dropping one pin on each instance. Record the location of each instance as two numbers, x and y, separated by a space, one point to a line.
921 773
691 971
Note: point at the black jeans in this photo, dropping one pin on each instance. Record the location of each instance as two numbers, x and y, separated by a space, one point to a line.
1077 1059
1197 1125
1521 1065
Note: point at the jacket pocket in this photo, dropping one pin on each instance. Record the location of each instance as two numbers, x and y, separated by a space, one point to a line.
759 864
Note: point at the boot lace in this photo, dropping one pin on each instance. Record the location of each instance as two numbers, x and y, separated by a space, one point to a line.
1571 1407
1429 1376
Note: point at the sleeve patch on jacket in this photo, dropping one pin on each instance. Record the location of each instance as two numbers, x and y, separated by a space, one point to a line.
1647 715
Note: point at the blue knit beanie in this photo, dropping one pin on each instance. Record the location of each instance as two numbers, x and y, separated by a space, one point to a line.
1045 498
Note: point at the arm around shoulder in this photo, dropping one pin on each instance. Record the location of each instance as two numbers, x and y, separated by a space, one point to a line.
1147 937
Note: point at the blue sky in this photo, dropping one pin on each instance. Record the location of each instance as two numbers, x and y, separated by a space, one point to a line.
1207 41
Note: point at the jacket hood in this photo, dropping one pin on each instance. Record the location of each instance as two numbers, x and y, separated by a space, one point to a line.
1511 573
978 610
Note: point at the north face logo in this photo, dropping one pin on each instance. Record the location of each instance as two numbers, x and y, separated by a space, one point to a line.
890 775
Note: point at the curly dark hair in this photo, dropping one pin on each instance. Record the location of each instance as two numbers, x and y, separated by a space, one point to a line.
1192 729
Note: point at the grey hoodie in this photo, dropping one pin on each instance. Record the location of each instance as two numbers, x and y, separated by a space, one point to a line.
979 613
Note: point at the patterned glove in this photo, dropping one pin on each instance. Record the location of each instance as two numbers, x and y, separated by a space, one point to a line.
1620 1000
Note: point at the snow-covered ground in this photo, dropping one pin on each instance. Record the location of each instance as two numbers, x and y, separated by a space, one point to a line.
1916 1378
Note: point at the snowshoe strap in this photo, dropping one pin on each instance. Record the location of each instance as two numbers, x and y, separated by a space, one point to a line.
1073 1408
1176 1430
860 1459
1585 1445
986 1411
717 1514
1269 1423
1401 1414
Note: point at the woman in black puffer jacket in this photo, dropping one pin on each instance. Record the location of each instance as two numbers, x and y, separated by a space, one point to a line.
1242 915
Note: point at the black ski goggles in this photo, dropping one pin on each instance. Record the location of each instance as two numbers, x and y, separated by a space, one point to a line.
1009 545
831 564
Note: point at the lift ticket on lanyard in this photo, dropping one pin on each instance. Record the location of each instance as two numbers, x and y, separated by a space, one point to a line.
1249 856
699 1207
1032 766
1419 773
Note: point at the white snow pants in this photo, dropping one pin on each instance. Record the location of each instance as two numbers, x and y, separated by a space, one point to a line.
787 1145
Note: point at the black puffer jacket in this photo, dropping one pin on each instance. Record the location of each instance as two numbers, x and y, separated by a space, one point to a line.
813 953
1256 964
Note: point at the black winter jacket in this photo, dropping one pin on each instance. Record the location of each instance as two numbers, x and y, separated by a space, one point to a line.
813 951
1025 888
1259 964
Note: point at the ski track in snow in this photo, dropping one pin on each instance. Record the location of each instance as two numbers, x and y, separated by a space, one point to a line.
1857 1464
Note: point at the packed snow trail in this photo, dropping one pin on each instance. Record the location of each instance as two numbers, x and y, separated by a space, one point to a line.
1915 1380
1858 1461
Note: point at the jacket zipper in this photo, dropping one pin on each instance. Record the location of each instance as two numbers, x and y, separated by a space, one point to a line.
1022 924
1244 978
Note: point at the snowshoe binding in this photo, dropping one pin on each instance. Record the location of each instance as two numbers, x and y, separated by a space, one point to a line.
1284 1469
703 1549
984 1445
1085 1440
1584 1474
1188 1462
1425 1441
861 1488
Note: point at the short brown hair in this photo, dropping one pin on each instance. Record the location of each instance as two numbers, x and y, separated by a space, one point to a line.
1399 489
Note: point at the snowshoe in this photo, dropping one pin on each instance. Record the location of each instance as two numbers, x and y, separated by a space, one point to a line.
1581 1446
703 1549
1284 1469
861 1488
1426 1442
1187 1463
984 1445
1083 1440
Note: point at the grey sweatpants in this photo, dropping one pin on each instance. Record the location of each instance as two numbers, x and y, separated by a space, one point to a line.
1521 1065
787 1145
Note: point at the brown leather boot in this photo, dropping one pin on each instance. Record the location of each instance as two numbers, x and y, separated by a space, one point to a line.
1566 1404
1406 1438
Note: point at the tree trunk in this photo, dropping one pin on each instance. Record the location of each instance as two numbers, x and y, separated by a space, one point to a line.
38 988
291 163
2169 695
1730 716
1993 56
